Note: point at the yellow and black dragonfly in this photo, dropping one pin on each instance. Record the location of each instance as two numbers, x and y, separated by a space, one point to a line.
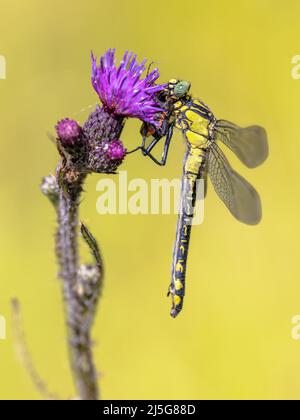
202 131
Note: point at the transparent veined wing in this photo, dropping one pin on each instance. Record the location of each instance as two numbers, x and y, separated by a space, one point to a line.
250 144
237 194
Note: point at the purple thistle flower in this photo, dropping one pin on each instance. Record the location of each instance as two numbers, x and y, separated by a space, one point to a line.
122 90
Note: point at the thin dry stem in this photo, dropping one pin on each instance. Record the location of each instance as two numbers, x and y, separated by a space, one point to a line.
24 353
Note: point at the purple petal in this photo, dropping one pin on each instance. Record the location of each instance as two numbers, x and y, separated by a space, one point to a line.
122 89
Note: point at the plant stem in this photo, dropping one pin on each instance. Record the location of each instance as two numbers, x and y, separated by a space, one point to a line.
81 358
81 284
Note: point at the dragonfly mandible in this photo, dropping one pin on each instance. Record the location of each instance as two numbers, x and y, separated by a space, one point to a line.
202 131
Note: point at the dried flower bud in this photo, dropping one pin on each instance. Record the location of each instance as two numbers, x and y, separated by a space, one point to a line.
50 188
89 273
88 286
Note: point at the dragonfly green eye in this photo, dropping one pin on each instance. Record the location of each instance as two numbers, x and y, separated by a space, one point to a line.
181 88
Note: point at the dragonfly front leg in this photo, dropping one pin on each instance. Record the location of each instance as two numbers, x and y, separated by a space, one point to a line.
147 150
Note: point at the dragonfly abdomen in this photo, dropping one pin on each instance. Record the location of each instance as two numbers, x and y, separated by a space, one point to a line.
194 165
177 287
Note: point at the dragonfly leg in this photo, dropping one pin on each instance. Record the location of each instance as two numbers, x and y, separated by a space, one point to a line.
147 151
158 135
134 150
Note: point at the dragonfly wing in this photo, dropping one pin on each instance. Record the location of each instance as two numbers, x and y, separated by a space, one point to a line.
237 194
250 144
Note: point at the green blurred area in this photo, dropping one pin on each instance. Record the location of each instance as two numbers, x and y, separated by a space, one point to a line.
233 340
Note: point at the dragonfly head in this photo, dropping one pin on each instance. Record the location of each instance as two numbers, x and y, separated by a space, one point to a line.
178 88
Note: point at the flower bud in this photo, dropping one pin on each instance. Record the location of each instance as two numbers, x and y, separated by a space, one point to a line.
69 132
116 150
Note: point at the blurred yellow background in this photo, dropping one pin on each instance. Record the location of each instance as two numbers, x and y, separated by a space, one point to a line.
233 339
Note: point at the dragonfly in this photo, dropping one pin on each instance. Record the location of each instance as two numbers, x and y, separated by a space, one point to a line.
203 132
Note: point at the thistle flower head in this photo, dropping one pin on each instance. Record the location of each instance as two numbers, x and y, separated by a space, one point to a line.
102 133
68 131
122 90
